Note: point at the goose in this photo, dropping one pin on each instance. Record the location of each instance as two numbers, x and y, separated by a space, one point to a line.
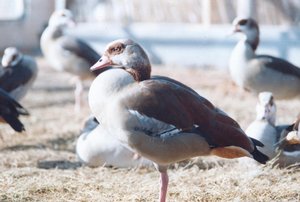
95 148
280 141
67 53
10 110
289 146
290 137
258 73
18 73
263 127
159 118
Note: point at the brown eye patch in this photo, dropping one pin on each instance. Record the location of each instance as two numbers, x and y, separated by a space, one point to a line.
243 22
116 49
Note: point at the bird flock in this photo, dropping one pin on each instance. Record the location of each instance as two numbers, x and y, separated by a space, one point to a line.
139 119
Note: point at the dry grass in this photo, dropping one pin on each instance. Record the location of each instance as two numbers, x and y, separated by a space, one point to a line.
53 127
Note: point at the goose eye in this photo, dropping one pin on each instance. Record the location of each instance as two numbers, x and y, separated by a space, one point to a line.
243 22
14 57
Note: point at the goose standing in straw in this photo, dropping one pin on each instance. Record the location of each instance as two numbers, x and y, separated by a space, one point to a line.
258 73
159 118
67 53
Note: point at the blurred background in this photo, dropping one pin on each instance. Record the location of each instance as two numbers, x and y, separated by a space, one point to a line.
175 32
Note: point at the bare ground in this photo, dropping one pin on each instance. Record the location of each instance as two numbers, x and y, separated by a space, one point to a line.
26 159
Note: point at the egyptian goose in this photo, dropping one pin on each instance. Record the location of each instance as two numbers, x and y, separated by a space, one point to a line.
67 53
263 127
10 111
279 142
95 147
160 119
18 72
289 145
290 137
258 73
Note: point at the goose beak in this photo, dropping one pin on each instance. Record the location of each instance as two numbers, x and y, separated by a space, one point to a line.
103 62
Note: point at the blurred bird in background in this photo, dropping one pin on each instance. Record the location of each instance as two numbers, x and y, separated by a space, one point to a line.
257 73
67 53
18 72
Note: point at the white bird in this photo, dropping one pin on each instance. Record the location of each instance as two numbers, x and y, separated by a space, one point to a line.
263 127
258 73
95 147
18 72
67 53
275 138
160 118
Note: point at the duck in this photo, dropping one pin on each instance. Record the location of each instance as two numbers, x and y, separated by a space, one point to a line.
10 110
289 145
67 53
96 148
281 142
290 137
263 128
17 73
258 73
158 118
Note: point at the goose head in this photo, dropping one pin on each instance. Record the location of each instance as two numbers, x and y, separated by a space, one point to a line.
11 57
62 18
249 28
128 55
266 108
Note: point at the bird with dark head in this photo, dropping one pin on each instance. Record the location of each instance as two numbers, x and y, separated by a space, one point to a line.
160 118
258 73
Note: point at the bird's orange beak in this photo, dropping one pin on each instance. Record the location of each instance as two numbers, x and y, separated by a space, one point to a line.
103 62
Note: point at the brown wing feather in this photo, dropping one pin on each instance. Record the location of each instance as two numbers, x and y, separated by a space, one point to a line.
173 104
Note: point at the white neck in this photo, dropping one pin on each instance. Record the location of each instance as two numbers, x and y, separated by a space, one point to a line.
105 86
240 56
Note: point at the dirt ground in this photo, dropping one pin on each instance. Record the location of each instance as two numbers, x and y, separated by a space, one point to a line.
26 159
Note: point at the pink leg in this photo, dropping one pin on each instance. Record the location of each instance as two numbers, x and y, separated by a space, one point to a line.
164 180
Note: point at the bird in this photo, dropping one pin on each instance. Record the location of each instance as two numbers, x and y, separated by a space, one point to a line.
263 128
290 137
67 53
289 145
95 147
277 144
10 110
258 73
159 118
17 73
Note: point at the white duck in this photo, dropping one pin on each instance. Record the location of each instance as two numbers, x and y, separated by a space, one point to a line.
67 53
95 147
279 141
159 118
18 73
263 127
258 73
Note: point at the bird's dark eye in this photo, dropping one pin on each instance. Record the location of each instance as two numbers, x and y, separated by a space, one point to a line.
243 22
14 57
